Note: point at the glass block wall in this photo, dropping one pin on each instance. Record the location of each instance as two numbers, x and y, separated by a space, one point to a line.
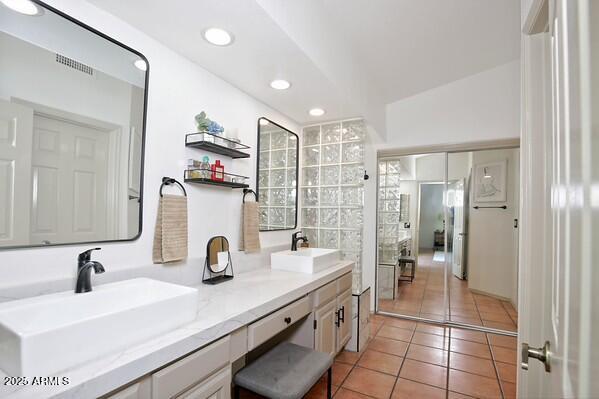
277 180
390 208
332 188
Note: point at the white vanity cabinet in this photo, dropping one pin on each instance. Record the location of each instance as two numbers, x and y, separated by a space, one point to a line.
333 315
207 372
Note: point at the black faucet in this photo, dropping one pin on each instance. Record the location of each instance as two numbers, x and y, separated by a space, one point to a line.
295 239
84 270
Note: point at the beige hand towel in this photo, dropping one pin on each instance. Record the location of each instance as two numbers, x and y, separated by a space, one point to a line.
250 229
170 235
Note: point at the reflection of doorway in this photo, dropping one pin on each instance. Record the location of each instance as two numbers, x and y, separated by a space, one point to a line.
457 204
69 177
431 219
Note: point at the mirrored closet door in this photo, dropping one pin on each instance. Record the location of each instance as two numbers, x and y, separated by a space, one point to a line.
447 239
411 269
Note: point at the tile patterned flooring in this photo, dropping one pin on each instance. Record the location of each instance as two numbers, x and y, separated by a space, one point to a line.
424 297
408 359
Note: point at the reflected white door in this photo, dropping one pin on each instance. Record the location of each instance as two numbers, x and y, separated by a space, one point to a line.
559 250
69 172
459 229
16 123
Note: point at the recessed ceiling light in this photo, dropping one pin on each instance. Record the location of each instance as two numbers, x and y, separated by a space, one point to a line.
316 112
264 122
141 65
280 84
25 7
218 37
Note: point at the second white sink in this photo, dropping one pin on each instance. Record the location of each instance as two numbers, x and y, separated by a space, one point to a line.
49 333
307 260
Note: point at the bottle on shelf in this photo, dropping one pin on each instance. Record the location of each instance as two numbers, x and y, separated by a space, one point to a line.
206 168
218 171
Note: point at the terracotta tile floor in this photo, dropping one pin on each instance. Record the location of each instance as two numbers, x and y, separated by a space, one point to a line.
413 364
424 298
425 361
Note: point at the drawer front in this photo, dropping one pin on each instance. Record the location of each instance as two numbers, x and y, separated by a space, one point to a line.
216 387
139 390
266 328
325 293
179 376
344 283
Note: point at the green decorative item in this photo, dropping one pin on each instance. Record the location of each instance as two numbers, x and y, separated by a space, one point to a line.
206 125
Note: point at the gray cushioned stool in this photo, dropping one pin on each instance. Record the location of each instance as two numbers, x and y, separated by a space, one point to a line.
287 371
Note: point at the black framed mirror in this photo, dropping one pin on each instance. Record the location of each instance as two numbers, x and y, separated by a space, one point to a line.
277 176
72 131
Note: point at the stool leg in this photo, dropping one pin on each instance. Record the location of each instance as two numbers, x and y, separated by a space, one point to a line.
236 391
329 383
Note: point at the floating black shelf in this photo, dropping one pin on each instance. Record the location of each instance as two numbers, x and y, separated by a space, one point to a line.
216 144
228 182
217 183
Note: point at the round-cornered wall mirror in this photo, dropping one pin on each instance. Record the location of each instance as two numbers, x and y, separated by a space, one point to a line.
278 154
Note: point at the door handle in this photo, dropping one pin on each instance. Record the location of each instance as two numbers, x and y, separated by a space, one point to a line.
541 354
342 314
337 317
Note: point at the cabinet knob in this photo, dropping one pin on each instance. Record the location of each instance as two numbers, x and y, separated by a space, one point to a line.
288 320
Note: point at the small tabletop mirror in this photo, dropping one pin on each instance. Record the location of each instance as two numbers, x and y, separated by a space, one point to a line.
219 267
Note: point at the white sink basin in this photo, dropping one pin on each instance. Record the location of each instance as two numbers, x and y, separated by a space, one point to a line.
42 335
307 260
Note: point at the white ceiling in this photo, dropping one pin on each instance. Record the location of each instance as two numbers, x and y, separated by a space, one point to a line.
409 46
350 57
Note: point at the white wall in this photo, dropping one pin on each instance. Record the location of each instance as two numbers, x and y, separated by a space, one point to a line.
485 106
178 90
492 251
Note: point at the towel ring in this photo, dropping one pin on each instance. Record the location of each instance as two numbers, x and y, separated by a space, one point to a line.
246 191
167 181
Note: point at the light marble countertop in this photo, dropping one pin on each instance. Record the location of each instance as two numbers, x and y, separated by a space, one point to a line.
223 308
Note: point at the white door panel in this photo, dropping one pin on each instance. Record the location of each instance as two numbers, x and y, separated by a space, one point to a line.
15 172
560 203
70 163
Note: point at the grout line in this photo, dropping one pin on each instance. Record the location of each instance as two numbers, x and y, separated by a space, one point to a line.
510 316
351 390
495 367
448 366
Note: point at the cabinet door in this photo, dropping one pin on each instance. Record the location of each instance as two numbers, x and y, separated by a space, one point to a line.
325 334
216 387
344 306
139 390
